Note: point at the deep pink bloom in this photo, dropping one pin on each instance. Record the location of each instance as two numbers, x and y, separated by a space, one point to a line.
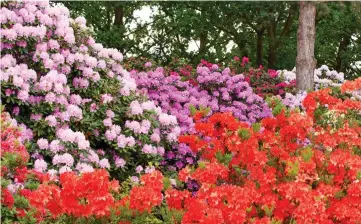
272 73
245 60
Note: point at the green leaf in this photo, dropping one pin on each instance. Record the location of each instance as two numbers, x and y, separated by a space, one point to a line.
307 154
192 110
244 133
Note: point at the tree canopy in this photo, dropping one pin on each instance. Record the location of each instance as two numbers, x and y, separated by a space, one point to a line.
266 32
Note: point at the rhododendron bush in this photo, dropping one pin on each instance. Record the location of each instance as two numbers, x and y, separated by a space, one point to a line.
216 91
264 83
78 106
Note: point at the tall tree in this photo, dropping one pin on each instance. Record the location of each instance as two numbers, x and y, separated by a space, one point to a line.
306 36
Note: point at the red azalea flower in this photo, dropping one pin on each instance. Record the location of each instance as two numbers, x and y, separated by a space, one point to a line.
7 198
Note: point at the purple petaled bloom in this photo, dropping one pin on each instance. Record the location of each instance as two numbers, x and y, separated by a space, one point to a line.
172 168
189 160
148 64
170 155
36 155
192 185
179 164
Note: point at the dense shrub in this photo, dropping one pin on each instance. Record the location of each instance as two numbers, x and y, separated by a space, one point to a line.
76 101
30 196
215 91
263 83
295 167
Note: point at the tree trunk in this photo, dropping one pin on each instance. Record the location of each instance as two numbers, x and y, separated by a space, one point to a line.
272 57
341 50
259 59
272 46
306 35
202 45
118 22
119 14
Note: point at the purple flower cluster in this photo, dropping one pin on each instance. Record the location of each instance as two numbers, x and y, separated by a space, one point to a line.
216 90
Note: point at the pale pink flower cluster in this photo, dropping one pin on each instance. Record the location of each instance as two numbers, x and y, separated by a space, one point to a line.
64 159
139 127
26 133
124 141
40 165
84 168
43 143
104 163
166 119
136 108
52 121
119 162
106 98
67 135
155 137
149 149
21 76
55 146
64 169
113 132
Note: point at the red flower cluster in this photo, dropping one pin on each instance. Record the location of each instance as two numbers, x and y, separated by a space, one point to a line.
290 168
323 98
7 198
18 156
10 140
351 85
81 196
175 199
145 197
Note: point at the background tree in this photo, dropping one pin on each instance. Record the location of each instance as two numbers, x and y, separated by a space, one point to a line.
338 40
